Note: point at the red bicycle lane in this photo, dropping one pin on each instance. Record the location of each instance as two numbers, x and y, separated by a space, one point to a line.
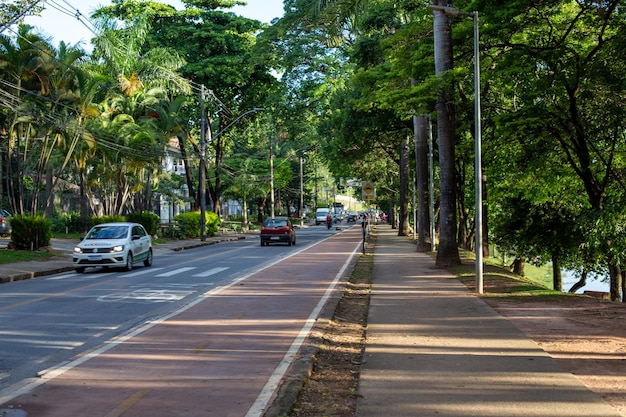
224 354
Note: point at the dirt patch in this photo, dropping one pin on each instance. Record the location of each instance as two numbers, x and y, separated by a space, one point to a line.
332 388
587 337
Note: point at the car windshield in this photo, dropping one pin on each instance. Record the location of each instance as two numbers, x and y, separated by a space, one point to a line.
108 232
276 223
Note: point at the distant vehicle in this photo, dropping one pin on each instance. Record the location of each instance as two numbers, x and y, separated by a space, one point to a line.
320 215
113 245
5 223
278 229
351 217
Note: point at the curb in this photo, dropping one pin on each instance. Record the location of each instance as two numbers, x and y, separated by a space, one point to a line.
202 244
302 368
30 275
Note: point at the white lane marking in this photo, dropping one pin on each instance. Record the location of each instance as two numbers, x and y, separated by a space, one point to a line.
271 386
17 390
73 275
141 272
176 271
77 275
210 272
147 294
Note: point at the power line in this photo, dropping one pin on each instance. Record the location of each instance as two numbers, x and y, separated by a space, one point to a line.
19 16
72 11
13 102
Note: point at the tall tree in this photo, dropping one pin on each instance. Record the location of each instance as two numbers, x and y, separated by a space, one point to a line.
448 252
572 55
218 49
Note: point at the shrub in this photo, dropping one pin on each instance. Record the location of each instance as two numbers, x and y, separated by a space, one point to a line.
105 219
30 232
212 223
188 224
147 219
66 223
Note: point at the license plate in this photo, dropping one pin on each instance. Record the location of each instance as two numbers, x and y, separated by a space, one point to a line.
274 238
95 257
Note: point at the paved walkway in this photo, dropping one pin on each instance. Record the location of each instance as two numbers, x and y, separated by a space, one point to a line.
435 349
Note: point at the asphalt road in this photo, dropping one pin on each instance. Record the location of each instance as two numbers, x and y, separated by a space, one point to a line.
47 321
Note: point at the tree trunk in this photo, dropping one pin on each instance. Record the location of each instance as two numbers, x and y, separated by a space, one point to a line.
465 239
49 193
244 214
185 158
259 211
403 221
580 283
485 218
518 266
84 208
448 252
420 127
614 287
557 282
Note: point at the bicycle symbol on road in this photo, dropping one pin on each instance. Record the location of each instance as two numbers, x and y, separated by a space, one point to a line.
147 294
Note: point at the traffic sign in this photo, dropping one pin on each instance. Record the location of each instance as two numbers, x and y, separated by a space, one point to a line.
368 190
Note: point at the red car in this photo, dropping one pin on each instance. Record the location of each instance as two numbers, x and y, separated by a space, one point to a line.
278 229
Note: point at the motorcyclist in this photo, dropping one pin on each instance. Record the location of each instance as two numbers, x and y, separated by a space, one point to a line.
329 221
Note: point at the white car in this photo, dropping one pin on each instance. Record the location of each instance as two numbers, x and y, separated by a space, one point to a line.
320 215
113 245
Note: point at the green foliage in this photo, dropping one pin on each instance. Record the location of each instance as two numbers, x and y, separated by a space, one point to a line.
66 223
147 219
188 224
31 232
105 219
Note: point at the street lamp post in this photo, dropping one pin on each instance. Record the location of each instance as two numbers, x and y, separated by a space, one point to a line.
202 179
301 209
272 202
453 11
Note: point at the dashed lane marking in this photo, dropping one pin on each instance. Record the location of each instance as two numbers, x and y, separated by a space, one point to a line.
176 272
210 272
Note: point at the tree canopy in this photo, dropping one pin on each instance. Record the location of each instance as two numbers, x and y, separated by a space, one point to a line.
346 88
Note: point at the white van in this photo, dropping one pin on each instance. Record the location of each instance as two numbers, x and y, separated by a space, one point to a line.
320 215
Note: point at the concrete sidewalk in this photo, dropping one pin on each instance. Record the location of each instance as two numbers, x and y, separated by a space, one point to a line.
435 349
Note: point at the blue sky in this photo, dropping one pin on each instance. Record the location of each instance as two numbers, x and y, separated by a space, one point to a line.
69 29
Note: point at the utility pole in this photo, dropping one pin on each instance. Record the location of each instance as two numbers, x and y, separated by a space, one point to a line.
271 179
202 179
301 211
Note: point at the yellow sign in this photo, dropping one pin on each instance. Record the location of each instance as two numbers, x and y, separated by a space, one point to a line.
368 191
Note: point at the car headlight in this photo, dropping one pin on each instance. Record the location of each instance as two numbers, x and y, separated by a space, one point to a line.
78 250
118 248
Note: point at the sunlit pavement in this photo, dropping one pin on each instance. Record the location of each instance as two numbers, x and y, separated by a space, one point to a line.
218 356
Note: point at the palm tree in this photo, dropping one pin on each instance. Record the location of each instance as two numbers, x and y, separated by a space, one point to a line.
173 118
130 139
25 67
